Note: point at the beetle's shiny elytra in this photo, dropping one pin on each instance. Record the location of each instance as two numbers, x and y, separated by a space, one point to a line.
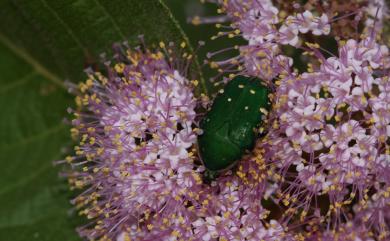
228 128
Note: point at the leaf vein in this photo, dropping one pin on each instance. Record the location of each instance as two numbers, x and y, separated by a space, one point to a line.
33 138
65 25
18 82
25 179
21 53
114 23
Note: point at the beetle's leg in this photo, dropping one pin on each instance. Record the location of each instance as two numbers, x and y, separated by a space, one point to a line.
209 176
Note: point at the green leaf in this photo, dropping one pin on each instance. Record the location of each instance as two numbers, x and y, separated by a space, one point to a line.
42 43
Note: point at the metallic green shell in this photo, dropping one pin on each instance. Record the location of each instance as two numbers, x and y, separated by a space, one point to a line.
228 128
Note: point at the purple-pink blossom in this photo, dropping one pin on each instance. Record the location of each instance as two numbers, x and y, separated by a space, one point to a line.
319 172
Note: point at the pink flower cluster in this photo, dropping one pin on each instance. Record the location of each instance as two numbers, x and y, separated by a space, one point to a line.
259 23
136 162
136 130
333 126
330 133
322 172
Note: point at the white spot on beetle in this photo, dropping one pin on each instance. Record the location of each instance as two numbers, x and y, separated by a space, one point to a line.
229 99
264 111
252 92
246 108
221 91
241 86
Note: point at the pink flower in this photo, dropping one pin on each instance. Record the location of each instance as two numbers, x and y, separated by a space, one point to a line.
136 130
330 130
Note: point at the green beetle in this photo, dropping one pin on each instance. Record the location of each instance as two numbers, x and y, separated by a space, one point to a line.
228 128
